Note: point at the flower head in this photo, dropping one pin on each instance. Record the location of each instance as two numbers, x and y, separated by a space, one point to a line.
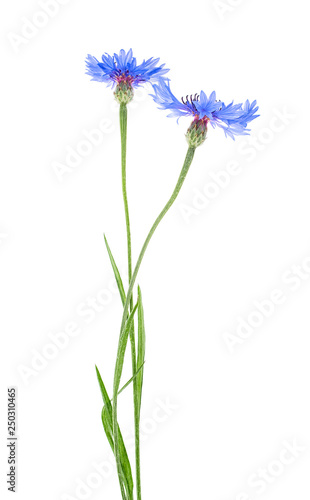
121 70
233 118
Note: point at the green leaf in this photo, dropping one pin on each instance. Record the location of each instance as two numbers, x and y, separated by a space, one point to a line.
130 380
106 421
117 275
103 390
106 417
118 448
121 350
141 346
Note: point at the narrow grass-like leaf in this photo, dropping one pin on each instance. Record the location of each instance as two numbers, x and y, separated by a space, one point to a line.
103 390
117 275
122 348
141 346
106 417
130 380
106 422
118 448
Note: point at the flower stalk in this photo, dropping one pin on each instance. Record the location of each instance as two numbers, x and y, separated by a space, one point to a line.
123 131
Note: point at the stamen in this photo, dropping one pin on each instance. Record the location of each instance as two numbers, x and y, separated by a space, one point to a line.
190 99
190 102
195 98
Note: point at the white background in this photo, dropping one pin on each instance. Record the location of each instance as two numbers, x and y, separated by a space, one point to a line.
230 410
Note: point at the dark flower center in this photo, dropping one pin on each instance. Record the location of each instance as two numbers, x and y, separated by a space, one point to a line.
123 77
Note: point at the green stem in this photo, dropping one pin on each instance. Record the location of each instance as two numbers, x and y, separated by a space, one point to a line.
187 163
123 128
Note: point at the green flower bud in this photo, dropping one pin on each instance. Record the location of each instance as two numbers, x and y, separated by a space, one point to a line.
124 92
197 132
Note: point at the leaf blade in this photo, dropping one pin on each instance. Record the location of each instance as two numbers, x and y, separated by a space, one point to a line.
141 346
106 417
118 449
117 275
122 348
129 381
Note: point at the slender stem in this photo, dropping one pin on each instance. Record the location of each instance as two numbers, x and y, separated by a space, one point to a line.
123 128
187 163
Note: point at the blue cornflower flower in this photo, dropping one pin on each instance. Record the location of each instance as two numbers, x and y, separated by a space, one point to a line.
122 70
233 118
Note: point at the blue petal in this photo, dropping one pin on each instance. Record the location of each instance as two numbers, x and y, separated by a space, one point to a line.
206 106
112 67
167 101
234 118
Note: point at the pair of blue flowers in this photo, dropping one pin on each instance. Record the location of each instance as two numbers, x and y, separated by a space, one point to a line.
123 74
122 71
